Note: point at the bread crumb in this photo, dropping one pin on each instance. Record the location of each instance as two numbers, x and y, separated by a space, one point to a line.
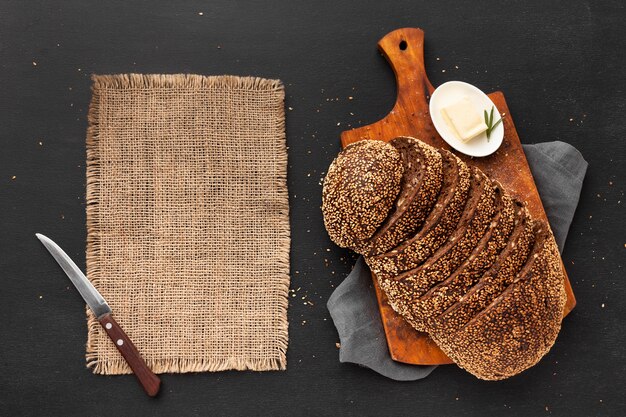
338 345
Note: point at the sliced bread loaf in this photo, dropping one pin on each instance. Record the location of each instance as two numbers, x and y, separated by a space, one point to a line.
455 254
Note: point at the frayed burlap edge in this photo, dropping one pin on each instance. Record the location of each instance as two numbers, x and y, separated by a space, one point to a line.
139 81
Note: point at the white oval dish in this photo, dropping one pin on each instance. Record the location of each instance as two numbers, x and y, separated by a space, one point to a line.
452 91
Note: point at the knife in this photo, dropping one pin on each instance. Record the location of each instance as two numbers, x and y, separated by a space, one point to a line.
98 305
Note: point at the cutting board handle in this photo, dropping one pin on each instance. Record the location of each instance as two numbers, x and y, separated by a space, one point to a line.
404 50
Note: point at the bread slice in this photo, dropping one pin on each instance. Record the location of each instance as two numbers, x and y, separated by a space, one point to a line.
476 219
438 226
419 188
492 285
517 328
506 265
360 188
481 255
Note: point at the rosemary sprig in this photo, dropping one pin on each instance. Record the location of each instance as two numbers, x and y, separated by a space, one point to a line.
489 122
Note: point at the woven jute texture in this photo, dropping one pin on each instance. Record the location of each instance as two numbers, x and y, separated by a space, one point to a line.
188 221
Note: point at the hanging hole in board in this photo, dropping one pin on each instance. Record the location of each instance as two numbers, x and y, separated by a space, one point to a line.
403 45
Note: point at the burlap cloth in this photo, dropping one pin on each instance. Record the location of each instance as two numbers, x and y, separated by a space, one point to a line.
188 221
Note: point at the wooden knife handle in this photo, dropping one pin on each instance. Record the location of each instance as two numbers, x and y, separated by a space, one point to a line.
148 380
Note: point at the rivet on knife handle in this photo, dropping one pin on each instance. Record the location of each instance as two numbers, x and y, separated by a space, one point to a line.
148 380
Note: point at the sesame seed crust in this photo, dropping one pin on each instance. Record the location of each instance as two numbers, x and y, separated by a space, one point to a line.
421 183
438 226
436 297
359 190
446 294
411 286
505 268
518 328
491 286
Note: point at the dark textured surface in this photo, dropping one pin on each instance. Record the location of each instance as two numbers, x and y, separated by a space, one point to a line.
561 66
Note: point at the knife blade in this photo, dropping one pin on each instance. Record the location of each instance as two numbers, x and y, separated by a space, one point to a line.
98 305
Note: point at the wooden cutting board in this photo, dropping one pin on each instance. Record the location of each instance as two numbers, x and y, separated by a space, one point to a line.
404 50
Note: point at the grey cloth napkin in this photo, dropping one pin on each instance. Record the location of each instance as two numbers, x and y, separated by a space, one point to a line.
558 169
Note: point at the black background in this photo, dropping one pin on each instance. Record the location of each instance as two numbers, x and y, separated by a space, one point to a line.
560 64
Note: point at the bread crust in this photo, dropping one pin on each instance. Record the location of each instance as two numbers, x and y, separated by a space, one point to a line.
412 286
518 328
482 254
420 186
439 225
478 297
359 190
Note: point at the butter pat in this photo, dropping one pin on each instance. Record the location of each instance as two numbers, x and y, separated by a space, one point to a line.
464 119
